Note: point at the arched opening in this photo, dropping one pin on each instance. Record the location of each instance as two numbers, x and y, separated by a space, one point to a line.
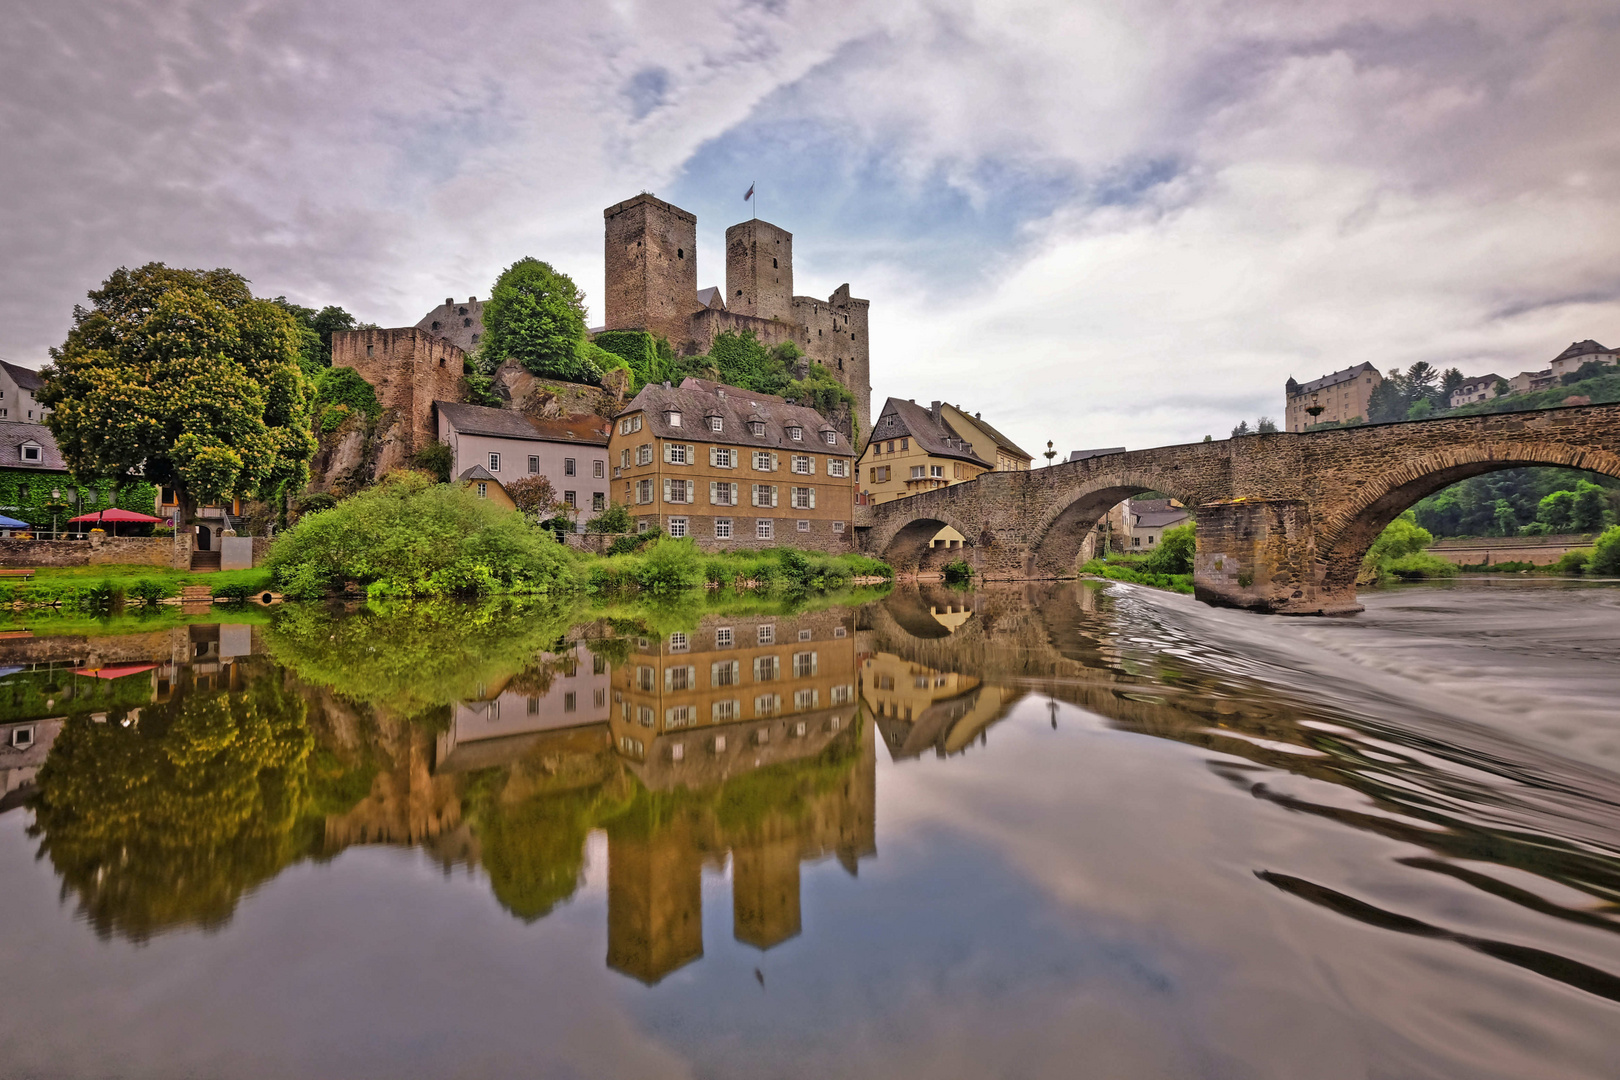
1094 519
1343 542
913 548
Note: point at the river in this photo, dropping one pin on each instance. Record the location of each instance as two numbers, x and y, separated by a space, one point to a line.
1063 830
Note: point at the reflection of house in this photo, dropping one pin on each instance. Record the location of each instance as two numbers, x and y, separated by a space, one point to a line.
23 747
564 690
918 708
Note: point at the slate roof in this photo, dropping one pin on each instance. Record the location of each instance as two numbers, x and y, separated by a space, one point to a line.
507 424
901 417
13 435
1347 375
477 472
25 378
1082 455
1161 519
1577 348
707 297
698 399
1002 440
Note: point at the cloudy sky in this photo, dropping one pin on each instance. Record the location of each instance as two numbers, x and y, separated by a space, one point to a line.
1099 222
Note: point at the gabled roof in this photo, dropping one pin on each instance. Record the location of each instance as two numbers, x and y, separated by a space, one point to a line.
12 437
696 399
1161 519
1083 455
477 472
1347 375
1001 440
711 298
1577 348
901 417
507 424
25 378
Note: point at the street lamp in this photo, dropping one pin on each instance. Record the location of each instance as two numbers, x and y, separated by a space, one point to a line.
1050 453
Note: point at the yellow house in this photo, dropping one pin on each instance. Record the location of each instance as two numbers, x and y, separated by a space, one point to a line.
485 486
912 450
986 440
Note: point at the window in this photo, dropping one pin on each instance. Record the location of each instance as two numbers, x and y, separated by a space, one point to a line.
644 454
570 701
722 528
798 730
680 491
677 527
678 716
624 458
796 434
937 471
722 493
22 738
680 677
831 437
644 716
806 699
905 444
763 462
722 457
918 472
598 664
675 454
568 466
534 464
839 631
644 491
641 526
767 668
1136 541
598 501
756 427
672 418
767 635
722 637
764 529
371 350
644 678
843 695
764 494
804 526
725 673
677 752
880 474
483 489
570 498
599 697
722 711
767 704
630 424
30 451
803 464
679 642
837 467
534 706
805 635
716 424
838 526
804 498
804 665
598 469
631 747
891 446
719 744
466 322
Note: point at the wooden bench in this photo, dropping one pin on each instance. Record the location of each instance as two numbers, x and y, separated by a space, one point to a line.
24 574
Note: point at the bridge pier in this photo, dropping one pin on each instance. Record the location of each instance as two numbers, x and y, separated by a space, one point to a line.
1260 555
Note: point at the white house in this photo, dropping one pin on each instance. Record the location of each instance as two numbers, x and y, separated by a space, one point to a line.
18 387
571 452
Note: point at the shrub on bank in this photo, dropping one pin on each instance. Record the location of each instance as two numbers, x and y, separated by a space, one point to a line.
1606 554
667 564
1113 571
1573 562
1174 555
408 536
1399 553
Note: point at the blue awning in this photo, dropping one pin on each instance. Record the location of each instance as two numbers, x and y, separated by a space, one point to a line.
13 523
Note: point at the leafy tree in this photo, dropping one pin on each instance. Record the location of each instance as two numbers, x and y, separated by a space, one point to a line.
533 495
1591 510
1420 409
1451 380
316 329
1174 555
1506 522
1388 401
1501 388
1266 426
615 519
182 378
536 316
341 393
1557 511
436 459
1606 554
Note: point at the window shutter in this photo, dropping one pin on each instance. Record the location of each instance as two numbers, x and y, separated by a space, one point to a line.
669 678
714 489
776 462
714 454
813 657
666 491
812 498
812 461
667 447
736 493
691 454
773 494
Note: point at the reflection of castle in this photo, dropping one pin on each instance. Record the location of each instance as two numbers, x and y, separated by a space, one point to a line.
917 707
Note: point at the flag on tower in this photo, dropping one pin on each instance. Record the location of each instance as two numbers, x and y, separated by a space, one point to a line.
749 194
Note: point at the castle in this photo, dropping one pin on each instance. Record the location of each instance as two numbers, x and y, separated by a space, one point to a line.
650 256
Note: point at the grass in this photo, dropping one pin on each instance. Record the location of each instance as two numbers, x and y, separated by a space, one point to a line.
66 622
1114 571
124 573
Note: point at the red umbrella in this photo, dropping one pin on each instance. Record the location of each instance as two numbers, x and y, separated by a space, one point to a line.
116 515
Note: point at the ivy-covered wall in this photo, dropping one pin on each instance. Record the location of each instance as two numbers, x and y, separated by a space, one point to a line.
26 494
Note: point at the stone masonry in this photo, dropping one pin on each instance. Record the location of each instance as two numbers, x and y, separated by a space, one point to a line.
1283 519
410 368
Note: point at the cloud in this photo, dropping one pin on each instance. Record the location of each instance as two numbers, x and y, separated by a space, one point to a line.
1142 217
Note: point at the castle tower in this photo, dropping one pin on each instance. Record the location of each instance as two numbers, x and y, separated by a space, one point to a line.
655 902
759 270
765 891
838 340
650 252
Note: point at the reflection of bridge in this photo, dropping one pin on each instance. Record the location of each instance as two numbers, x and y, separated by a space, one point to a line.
1283 519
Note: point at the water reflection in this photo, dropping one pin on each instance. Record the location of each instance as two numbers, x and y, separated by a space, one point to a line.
171 773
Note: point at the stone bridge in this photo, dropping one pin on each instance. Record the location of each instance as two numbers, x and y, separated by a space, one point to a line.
1283 519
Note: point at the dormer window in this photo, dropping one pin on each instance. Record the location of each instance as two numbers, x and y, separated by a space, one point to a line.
756 427
716 423
796 434
31 451
672 417
831 437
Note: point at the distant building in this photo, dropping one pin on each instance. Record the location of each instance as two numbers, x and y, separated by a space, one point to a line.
733 468
462 325
1147 519
1582 352
500 446
1083 455
1478 388
1341 396
19 389
1526 382
913 450
1008 457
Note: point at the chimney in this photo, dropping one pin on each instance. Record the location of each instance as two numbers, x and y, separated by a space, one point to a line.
449 301
978 416
934 409
472 299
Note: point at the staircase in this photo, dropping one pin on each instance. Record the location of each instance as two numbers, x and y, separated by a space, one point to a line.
196 594
204 562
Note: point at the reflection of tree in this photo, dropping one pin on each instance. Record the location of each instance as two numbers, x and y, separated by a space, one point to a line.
168 822
417 656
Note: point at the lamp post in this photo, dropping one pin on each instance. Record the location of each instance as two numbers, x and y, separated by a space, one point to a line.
56 501
1050 453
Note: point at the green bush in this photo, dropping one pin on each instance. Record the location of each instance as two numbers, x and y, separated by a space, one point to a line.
436 459
669 564
407 536
1419 565
1174 555
1114 571
650 359
615 519
1573 562
629 542
150 591
958 571
339 393
1606 554
1399 553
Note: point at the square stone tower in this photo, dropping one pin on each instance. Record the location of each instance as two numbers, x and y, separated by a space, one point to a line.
838 340
651 261
759 270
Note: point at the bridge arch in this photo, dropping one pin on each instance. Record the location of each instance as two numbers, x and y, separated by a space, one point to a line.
1066 531
1342 540
902 541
